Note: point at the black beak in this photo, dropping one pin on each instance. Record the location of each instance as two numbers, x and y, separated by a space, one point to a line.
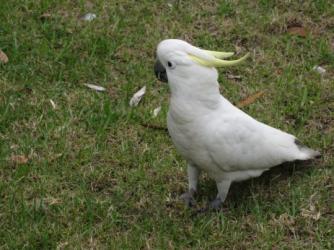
160 71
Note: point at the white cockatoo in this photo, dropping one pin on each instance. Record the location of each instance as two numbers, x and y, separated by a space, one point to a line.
208 131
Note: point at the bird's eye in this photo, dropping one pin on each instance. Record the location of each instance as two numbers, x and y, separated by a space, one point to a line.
171 65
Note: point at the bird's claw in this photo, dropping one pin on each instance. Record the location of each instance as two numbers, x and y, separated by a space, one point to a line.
215 204
188 198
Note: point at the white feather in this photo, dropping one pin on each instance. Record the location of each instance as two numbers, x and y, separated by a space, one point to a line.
136 98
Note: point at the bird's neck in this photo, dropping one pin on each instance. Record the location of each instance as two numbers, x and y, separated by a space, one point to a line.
191 101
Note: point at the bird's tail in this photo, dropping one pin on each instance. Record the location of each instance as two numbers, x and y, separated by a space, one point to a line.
308 153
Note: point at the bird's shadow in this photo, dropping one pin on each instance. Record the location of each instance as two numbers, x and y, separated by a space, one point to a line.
240 191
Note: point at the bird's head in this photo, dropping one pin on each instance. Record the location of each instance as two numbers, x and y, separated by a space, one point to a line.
179 62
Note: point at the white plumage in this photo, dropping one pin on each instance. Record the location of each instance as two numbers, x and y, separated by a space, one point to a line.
211 133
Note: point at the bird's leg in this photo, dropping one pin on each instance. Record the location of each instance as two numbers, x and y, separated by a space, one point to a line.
223 187
193 174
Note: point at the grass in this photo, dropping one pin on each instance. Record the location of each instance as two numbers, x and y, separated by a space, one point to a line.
87 174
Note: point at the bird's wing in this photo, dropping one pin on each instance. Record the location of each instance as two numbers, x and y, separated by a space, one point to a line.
239 142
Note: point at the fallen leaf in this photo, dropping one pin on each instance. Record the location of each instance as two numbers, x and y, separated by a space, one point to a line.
284 221
230 76
62 245
54 157
156 111
52 104
311 213
19 159
298 31
137 97
279 71
52 201
250 99
3 57
88 17
45 16
95 87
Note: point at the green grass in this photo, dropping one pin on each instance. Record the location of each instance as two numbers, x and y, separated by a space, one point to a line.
97 178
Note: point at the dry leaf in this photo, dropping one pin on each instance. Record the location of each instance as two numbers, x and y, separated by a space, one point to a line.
3 57
298 31
156 111
52 104
19 159
52 201
279 71
55 156
45 16
284 221
95 87
230 76
308 214
311 213
137 97
62 245
250 99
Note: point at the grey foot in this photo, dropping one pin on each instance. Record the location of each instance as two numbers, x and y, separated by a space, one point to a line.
188 198
216 204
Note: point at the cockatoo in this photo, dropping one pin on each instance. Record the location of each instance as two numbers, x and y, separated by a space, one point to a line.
208 131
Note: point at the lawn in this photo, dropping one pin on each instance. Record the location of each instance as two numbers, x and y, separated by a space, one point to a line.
82 169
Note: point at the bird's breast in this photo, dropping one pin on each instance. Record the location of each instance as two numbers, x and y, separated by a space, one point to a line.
188 135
